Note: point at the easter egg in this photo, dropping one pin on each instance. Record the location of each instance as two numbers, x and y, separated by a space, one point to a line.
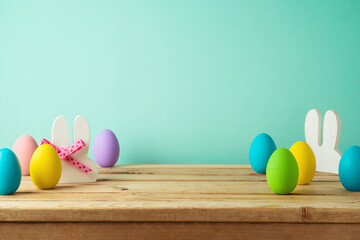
24 147
260 151
349 169
45 167
106 148
10 172
282 172
305 159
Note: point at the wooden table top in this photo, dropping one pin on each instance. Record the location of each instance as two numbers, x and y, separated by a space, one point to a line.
182 193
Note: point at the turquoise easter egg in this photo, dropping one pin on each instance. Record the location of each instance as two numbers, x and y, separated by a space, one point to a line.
349 169
282 172
260 151
10 172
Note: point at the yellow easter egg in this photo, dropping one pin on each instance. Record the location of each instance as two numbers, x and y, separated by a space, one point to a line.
305 159
45 167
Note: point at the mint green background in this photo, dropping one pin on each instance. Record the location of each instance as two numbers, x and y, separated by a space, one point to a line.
184 81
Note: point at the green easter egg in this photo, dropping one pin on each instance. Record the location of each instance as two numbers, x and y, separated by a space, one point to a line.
282 171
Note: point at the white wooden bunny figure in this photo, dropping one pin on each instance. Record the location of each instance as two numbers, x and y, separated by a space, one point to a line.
327 154
76 166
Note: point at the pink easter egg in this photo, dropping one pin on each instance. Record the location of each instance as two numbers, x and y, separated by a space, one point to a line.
24 147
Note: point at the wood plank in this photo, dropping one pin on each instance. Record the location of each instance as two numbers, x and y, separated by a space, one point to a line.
177 171
179 166
167 199
244 209
203 178
174 231
189 187
194 177
185 170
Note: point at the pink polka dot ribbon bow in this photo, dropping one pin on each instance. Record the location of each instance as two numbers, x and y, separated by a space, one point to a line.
65 152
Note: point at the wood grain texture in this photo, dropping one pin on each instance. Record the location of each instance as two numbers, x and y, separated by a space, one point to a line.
174 231
165 200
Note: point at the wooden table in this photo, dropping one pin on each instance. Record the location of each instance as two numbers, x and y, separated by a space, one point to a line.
181 202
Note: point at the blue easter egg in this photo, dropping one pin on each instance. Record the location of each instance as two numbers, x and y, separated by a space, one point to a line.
260 151
349 169
10 172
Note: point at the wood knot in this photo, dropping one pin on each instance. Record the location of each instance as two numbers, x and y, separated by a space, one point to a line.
306 214
121 188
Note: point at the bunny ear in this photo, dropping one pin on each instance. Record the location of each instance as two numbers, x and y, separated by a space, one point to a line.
313 127
81 130
331 131
60 132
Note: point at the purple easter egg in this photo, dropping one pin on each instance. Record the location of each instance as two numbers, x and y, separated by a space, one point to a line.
106 148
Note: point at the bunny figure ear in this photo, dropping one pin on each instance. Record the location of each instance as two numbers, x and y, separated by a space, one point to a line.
60 132
331 131
313 124
81 130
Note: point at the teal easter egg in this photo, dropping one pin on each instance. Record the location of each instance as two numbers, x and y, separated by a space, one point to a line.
349 169
10 172
282 172
260 151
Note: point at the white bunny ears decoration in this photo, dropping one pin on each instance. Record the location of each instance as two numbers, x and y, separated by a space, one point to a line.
76 166
327 154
